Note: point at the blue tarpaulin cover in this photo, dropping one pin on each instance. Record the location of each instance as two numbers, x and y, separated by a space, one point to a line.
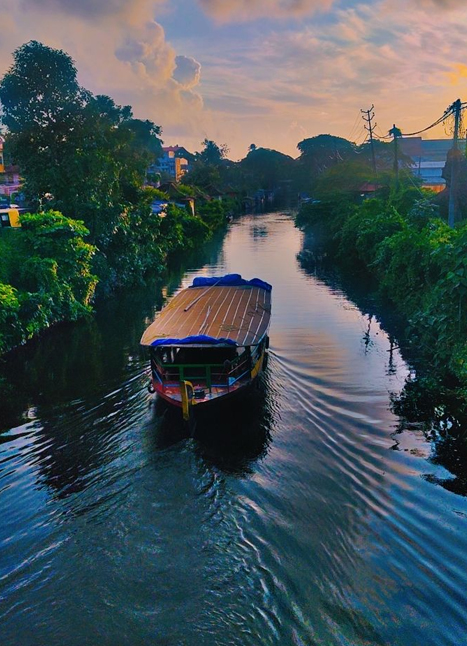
230 280
193 339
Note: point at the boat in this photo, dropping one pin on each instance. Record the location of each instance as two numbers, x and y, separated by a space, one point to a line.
209 342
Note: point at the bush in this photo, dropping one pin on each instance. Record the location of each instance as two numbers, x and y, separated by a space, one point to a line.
11 331
50 280
213 214
419 262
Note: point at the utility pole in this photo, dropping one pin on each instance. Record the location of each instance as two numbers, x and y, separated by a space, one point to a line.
395 132
456 107
368 116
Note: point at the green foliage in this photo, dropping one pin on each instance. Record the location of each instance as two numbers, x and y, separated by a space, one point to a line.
371 224
213 214
155 194
325 149
181 231
203 176
86 155
267 167
39 89
420 264
186 190
212 154
50 280
8 254
10 328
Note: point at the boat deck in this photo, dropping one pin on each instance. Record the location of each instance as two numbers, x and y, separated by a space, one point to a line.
236 313
173 394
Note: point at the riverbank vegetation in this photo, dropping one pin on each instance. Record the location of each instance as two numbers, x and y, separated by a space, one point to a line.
92 229
46 276
417 263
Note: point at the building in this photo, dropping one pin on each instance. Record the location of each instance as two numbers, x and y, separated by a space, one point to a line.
10 180
174 163
429 158
176 197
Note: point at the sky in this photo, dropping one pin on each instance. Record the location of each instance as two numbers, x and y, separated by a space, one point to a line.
268 72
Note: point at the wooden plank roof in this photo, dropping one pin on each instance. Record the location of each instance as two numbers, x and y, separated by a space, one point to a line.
240 314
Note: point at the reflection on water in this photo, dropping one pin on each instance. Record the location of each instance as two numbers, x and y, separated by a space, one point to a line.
232 436
423 404
305 513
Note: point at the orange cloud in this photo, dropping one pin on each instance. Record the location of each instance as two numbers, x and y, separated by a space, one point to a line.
225 10
459 73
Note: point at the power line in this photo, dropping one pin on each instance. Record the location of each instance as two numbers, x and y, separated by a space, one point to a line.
368 116
446 114
352 132
362 135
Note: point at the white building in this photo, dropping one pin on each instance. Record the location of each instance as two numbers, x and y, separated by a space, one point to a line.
172 163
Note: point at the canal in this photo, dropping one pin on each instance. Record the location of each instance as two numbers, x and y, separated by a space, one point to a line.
309 515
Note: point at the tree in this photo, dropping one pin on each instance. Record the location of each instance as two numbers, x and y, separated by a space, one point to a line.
318 154
266 167
212 154
39 89
209 165
324 151
87 152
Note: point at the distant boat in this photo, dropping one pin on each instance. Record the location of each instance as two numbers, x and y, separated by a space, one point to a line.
209 342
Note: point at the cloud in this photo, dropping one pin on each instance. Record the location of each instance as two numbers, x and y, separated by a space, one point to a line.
162 83
441 4
319 74
225 10
187 71
147 52
130 60
88 9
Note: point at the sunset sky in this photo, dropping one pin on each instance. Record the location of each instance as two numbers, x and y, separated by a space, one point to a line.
269 72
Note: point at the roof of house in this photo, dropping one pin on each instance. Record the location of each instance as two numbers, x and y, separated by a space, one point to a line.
176 149
172 190
368 187
213 190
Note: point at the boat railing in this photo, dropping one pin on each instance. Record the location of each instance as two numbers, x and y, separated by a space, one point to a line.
202 374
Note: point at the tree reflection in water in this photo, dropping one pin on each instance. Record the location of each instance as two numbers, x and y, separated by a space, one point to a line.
424 403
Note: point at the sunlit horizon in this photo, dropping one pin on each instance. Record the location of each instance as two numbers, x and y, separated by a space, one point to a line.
267 72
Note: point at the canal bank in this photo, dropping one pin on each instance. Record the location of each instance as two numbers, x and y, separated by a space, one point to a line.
318 518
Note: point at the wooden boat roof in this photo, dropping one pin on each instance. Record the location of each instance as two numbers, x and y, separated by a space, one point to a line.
236 315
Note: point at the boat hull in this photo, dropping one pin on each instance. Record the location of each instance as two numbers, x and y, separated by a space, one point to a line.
207 403
172 393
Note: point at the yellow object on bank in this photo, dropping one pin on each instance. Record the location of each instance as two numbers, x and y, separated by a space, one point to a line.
14 218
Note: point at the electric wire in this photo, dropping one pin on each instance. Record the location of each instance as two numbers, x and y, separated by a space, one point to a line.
357 119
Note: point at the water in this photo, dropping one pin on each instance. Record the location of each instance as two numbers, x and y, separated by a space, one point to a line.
310 515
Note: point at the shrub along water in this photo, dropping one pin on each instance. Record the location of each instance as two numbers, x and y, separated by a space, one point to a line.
46 276
87 159
49 273
419 263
